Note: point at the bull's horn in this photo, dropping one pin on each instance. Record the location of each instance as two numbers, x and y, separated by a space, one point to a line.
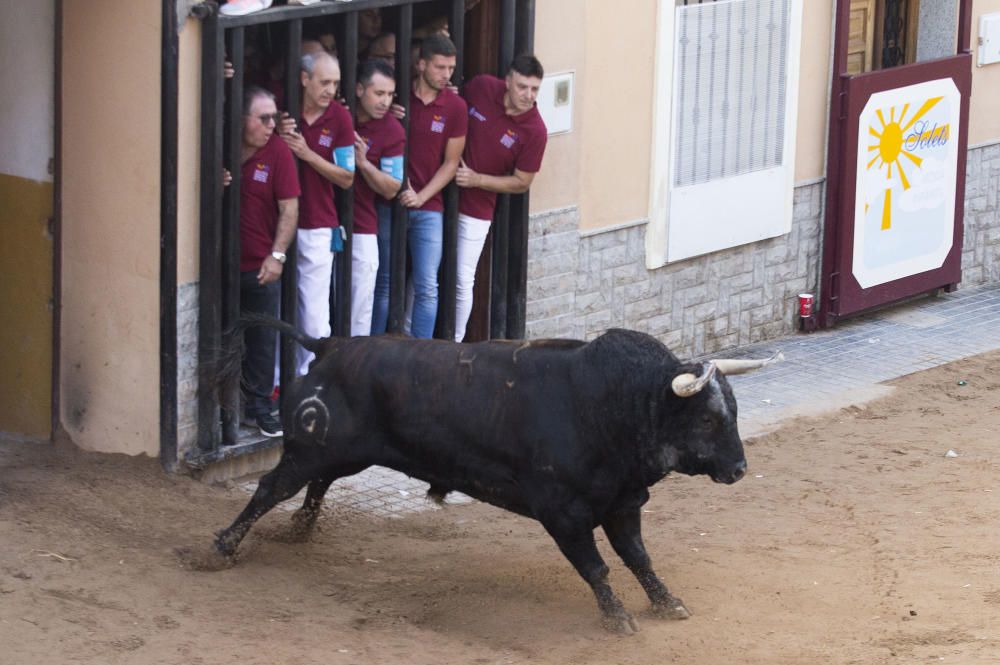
731 367
685 385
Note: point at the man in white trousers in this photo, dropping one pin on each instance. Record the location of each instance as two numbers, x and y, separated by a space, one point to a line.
323 140
379 145
503 152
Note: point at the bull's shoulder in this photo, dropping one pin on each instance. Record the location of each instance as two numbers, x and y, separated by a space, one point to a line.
631 347
546 343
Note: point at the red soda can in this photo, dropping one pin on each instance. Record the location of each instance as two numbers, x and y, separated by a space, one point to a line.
805 305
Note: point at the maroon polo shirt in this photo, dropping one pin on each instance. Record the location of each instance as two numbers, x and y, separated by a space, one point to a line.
431 125
267 177
385 138
497 143
331 130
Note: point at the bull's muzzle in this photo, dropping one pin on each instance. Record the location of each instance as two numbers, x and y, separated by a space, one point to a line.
732 474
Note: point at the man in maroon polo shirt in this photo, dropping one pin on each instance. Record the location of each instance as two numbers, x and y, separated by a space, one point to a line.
269 190
506 141
379 145
438 122
324 144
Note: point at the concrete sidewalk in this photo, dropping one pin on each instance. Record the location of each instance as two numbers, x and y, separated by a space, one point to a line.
830 369
822 371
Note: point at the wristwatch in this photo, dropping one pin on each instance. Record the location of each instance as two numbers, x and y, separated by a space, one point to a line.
279 256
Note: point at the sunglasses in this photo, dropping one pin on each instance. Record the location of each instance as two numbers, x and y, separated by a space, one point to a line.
267 117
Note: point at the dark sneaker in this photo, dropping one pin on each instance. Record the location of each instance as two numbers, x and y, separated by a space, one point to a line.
269 425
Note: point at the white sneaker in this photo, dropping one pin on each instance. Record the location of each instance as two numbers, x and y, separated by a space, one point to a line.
302 2
243 7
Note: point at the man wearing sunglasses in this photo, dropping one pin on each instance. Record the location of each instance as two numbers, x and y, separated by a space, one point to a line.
324 143
269 206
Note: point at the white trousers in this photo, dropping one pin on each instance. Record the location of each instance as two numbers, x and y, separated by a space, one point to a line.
364 268
471 236
315 267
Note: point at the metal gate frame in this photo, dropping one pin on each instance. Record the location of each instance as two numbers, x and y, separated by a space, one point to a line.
840 293
221 127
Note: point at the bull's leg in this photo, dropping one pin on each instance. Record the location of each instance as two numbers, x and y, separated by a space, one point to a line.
304 519
283 482
624 530
579 547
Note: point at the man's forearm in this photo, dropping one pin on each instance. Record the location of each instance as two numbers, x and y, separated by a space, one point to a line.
444 175
339 176
288 219
380 182
502 184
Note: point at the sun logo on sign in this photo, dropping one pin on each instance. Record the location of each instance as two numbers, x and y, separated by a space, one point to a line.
891 146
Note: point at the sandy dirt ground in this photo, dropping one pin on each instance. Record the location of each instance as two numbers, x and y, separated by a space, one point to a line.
853 539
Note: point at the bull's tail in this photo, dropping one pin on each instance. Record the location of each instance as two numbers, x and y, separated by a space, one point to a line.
252 320
222 372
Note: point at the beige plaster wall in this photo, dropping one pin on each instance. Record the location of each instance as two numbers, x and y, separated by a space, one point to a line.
814 89
603 165
561 46
109 366
617 111
188 150
984 110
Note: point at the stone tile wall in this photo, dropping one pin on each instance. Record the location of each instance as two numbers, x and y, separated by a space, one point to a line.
981 246
187 368
580 284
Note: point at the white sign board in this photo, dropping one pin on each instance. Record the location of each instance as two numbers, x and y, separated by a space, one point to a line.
555 102
904 210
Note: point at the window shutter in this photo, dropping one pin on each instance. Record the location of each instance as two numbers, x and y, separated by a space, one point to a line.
731 69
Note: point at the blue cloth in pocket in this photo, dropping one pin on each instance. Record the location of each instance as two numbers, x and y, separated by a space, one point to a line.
338 239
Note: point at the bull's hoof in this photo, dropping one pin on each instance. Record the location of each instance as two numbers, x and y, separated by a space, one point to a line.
437 494
621 622
226 544
298 530
672 608
207 559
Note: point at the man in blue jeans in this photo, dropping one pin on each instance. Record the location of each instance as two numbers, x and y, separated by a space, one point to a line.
438 122
269 207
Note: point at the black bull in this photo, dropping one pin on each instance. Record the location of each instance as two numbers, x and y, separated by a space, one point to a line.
566 432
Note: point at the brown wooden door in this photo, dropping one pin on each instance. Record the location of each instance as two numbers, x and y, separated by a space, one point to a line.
861 37
894 130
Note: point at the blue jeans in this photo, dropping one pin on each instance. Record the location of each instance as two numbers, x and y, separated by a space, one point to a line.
380 308
425 233
258 363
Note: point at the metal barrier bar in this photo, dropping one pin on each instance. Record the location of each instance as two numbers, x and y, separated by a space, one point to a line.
508 21
501 218
283 13
340 295
517 275
524 27
210 246
289 274
448 280
169 85
400 215
456 26
233 150
501 249
517 278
